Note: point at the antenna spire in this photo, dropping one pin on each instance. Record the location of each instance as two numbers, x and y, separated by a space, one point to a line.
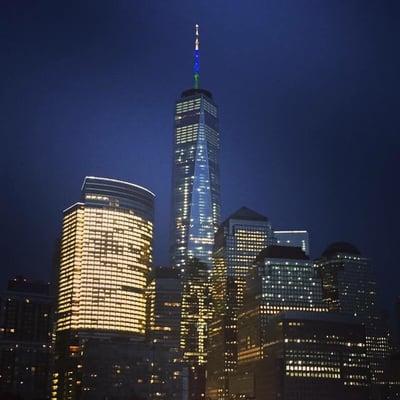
196 65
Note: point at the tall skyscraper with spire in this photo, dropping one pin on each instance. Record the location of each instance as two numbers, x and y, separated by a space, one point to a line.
196 187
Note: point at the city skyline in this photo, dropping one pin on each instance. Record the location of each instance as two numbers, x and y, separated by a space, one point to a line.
265 191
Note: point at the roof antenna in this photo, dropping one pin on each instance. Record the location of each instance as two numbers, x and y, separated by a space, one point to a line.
196 66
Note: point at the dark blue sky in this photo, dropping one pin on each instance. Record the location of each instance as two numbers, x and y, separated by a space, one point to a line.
309 114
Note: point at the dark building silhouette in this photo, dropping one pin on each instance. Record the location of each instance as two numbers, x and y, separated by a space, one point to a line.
306 356
349 287
26 310
101 348
238 241
397 322
164 334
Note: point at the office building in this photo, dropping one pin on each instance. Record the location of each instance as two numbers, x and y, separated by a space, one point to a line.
289 346
349 287
26 316
102 311
282 279
238 241
295 238
305 356
196 315
164 334
195 187
195 219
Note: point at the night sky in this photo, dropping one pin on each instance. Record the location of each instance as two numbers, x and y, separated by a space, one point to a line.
308 93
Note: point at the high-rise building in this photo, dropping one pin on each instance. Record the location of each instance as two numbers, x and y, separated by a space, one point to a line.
195 187
164 334
106 253
306 356
195 219
196 314
295 238
26 311
349 287
238 241
283 279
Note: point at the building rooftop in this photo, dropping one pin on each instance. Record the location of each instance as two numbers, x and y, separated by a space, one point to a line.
98 179
24 285
283 252
340 247
196 92
247 214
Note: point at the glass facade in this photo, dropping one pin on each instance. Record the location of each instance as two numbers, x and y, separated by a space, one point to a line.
106 251
105 260
194 220
237 243
306 356
349 287
163 333
26 322
283 279
196 314
195 188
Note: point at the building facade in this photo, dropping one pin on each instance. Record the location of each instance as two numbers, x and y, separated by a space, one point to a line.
195 219
106 254
307 356
196 315
283 279
238 241
26 317
195 186
349 287
164 334
296 238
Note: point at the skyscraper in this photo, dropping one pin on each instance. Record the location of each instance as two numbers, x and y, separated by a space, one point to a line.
349 287
106 252
195 186
164 333
196 314
26 313
306 356
282 279
237 243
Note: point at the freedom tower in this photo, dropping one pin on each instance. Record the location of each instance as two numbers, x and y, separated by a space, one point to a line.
195 187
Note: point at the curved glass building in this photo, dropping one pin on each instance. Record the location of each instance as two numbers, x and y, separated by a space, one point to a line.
104 267
106 252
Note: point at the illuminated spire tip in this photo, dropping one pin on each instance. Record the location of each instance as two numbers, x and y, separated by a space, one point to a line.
196 66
